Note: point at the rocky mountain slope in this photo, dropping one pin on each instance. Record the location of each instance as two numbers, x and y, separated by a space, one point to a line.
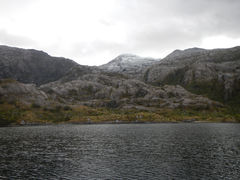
32 66
127 81
214 73
102 89
12 91
99 89
129 64
187 85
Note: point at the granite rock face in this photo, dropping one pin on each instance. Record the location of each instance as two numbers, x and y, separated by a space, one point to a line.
113 90
32 66
13 91
200 71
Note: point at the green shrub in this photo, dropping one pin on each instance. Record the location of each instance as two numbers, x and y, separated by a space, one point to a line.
35 105
45 109
9 116
58 108
12 102
67 108
1 101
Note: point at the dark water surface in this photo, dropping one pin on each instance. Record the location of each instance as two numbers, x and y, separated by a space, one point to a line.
133 151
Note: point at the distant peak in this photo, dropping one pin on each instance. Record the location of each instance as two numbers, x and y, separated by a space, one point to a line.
194 49
132 58
178 52
129 62
127 55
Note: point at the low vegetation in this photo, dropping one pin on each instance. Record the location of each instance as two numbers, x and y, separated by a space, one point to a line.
20 114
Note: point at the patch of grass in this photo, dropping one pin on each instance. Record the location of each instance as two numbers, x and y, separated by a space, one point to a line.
9 114
7 81
15 113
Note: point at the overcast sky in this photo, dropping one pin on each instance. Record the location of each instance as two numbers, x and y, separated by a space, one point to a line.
93 32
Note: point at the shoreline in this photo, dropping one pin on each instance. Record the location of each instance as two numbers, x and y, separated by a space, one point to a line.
113 123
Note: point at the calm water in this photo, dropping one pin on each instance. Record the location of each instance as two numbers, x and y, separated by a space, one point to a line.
144 151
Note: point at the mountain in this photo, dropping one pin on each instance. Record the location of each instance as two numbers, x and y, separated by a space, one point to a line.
103 89
100 89
41 88
213 73
32 66
128 79
129 64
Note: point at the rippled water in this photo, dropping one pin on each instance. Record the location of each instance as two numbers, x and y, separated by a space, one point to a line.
133 151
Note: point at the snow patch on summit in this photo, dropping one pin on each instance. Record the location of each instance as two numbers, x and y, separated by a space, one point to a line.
128 63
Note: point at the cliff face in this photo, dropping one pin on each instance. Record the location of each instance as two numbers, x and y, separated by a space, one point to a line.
215 73
31 66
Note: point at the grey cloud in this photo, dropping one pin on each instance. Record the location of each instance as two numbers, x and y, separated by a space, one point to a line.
177 24
169 37
84 49
151 26
13 40
8 6
157 26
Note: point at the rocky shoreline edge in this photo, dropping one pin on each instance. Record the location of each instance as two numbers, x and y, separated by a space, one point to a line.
114 123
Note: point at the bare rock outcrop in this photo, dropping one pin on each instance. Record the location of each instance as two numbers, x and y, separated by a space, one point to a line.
13 91
99 89
215 73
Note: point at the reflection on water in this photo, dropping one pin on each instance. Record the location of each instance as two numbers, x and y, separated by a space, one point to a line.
145 151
